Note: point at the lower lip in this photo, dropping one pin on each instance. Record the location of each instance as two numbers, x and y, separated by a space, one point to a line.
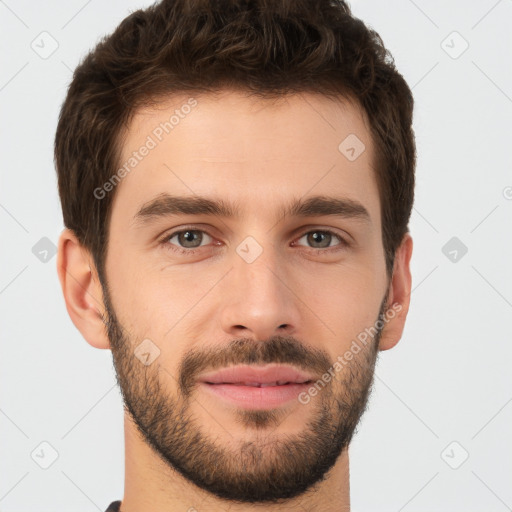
252 397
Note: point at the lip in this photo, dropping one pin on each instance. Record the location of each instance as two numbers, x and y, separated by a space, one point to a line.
256 374
251 397
228 385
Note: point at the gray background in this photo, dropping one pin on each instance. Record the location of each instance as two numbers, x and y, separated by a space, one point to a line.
443 394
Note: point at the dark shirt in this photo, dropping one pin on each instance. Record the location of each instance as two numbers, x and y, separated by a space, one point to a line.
113 507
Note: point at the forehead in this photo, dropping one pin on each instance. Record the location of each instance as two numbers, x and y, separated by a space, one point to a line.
254 151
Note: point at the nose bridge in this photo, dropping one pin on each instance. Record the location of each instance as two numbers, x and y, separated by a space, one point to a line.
258 272
259 299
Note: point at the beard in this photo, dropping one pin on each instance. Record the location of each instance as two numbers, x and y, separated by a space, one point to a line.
265 466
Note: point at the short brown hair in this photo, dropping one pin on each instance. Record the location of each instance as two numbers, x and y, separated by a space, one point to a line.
265 47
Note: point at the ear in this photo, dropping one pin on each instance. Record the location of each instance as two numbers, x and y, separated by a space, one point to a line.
399 296
82 289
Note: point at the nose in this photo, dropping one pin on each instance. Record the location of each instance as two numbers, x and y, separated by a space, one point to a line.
259 301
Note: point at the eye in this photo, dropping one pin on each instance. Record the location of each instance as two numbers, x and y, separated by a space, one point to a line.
186 240
322 238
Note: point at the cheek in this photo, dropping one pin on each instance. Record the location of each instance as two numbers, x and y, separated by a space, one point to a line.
346 300
160 302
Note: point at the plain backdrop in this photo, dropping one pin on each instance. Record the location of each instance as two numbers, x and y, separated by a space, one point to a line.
437 434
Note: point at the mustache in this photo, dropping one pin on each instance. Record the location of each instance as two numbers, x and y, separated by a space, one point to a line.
277 349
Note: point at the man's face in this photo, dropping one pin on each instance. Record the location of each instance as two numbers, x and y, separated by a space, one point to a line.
192 293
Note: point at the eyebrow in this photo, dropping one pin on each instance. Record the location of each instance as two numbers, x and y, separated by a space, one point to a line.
314 206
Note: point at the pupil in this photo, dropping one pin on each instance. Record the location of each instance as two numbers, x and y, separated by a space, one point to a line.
189 236
319 237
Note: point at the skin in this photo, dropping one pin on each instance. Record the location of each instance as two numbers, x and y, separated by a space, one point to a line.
259 154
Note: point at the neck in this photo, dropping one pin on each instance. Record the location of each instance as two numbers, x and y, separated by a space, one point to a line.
150 484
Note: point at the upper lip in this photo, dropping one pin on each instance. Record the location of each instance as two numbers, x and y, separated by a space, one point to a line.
256 375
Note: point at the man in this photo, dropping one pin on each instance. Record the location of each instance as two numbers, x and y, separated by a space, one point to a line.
236 181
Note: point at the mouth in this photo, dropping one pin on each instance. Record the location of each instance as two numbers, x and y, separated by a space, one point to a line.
251 387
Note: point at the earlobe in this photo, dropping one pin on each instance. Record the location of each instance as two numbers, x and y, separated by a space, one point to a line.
399 296
81 289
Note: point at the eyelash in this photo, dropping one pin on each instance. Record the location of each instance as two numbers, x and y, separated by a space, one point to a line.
174 248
